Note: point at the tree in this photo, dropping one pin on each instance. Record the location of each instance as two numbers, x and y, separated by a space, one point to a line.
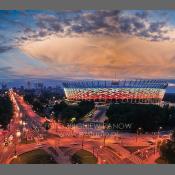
6 111
47 125
173 136
149 117
37 105
58 108
167 151
67 115
68 112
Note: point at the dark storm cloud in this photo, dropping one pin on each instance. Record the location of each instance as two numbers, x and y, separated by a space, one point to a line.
142 14
139 25
36 25
5 48
104 22
50 22
156 26
95 22
6 72
5 68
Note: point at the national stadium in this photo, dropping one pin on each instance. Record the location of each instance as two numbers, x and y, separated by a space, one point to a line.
129 91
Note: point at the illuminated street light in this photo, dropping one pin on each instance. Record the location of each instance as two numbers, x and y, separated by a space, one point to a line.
86 126
160 128
104 161
73 119
158 135
138 131
18 133
15 156
20 122
98 151
24 123
11 137
82 144
104 141
93 150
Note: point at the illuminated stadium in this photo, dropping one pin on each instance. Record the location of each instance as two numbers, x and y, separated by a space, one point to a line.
131 91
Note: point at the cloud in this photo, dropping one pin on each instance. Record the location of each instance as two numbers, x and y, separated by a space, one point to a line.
91 43
102 22
7 72
7 68
5 48
101 57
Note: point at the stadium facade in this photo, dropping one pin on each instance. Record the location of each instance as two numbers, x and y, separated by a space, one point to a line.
132 91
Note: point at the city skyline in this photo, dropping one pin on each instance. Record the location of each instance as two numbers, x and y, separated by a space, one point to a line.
87 44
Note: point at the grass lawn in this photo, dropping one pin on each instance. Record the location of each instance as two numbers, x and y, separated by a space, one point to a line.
84 157
38 156
133 149
160 160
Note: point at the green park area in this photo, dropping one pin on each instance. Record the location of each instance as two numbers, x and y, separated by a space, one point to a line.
84 157
38 156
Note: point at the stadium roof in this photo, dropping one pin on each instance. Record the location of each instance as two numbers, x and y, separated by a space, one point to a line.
159 84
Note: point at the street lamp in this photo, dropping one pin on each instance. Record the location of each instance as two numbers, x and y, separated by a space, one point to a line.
86 126
104 161
82 144
18 134
146 154
73 119
20 122
138 131
104 141
98 150
158 135
24 123
93 150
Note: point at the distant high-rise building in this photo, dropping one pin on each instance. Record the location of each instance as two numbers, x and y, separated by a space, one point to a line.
3 86
28 85
22 88
40 86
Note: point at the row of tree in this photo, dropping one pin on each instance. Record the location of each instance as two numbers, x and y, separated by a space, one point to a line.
72 113
66 113
167 150
148 117
6 110
40 102
36 102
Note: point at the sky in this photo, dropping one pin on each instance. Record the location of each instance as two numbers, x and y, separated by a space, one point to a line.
87 44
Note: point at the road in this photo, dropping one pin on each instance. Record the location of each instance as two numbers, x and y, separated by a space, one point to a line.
108 150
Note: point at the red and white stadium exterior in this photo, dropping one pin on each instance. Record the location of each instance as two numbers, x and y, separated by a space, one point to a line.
133 91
